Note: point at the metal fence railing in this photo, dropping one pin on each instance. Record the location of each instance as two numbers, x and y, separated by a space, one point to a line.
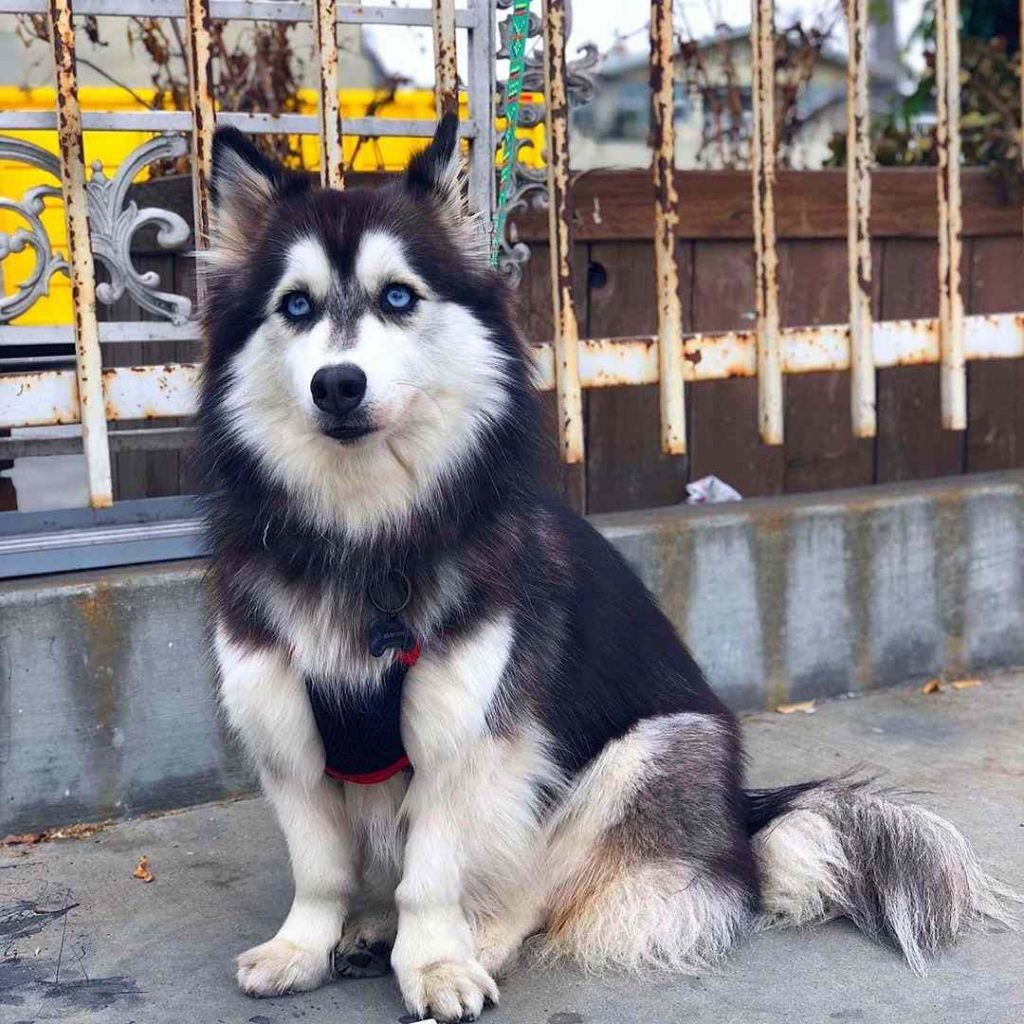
673 359
94 396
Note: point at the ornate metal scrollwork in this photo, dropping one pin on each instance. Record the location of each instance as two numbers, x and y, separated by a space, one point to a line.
113 223
530 184
29 208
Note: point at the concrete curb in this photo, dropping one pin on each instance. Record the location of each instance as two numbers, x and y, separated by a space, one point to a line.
106 693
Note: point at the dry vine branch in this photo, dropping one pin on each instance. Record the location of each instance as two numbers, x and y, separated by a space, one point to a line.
725 100
258 71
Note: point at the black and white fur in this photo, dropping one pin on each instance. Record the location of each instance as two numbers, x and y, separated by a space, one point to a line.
573 771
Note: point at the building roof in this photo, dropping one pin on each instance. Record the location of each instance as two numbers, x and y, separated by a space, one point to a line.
623 61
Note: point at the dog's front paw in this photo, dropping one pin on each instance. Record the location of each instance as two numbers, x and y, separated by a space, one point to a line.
365 947
279 966
448 990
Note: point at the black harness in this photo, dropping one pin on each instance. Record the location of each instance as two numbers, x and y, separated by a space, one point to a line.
361 727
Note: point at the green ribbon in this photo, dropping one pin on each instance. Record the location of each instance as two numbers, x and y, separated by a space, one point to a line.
520 20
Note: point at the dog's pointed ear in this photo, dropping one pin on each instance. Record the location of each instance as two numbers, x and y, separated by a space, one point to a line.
433 173
243 187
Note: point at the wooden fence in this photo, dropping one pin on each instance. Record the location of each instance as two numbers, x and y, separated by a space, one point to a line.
614 267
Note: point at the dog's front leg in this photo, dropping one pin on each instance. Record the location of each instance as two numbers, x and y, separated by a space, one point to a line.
444 726
266 703
434 957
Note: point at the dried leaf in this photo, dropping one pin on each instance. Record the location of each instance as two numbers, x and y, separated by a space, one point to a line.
932 686
966 684
82 830
25 839
142 871
806 706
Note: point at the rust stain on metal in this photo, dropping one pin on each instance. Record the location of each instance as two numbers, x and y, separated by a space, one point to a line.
83 272
611 362
953 373
666 222
766 287
858 210
151 392
446 82
200 78
332 157
570 400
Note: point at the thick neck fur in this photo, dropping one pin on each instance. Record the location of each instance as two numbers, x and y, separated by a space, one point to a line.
257 527
249 515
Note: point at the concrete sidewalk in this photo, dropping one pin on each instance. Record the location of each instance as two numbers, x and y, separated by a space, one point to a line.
161 952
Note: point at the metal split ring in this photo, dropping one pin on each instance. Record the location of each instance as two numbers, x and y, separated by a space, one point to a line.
391 583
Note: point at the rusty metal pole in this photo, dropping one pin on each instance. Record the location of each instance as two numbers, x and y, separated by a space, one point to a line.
200 81
666 220
88 358
446 82
858 214
332 158
953 371
556 123
766 285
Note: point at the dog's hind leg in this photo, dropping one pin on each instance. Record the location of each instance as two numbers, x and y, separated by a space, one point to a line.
650 857
500 936
365 947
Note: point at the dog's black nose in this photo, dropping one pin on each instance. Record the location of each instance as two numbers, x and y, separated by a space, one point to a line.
338 389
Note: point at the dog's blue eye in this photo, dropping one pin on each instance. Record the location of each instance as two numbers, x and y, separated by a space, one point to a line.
297 305
397 298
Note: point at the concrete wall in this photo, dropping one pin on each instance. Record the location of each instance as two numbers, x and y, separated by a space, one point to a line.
106 705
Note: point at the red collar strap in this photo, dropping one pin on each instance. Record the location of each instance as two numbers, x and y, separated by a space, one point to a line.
369 778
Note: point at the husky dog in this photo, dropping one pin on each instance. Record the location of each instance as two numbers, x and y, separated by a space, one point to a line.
471 718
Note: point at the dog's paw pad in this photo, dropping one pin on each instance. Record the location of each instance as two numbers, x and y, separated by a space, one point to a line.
279 966
363 961
449 990
365 947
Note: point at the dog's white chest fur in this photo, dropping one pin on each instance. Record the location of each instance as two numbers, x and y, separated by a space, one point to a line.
327 640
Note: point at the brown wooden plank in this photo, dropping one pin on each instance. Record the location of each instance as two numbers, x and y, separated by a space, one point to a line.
616 205
995 388
820 449
127 469
162 467
911 444
533 313
626 468
140 474
723 414
8 496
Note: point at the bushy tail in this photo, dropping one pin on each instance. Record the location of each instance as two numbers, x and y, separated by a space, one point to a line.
902 874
